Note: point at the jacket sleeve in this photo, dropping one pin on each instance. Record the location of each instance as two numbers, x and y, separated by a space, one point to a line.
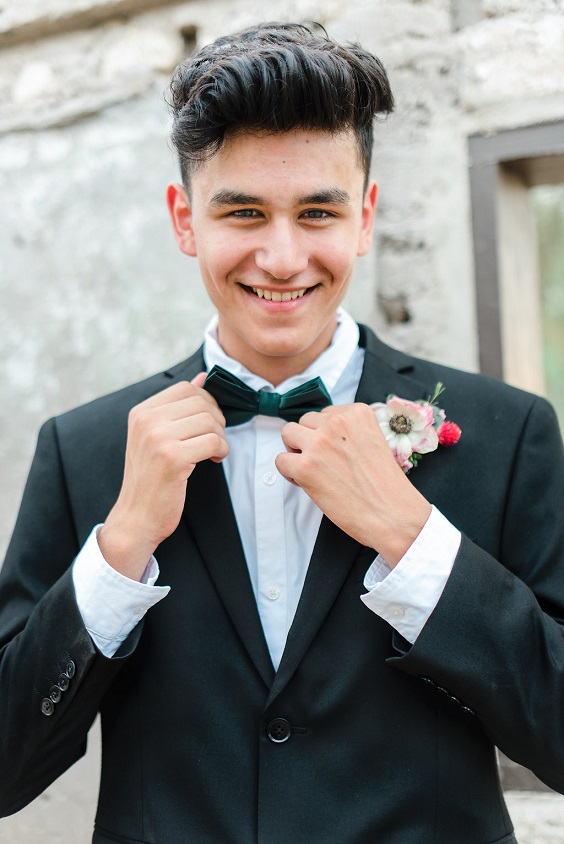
495 641
52 678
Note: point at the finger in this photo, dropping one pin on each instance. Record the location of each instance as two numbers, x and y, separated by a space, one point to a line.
287 464
311 419
198 381
296 436
211 401
198 402
335 408
177 458
180 390
209 446
194 405
188 427
176 393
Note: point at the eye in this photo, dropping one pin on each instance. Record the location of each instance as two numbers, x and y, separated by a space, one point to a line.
245 213
317 214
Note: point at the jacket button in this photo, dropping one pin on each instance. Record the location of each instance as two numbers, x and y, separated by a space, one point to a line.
47 706
279 730
64 682
55 694
71 669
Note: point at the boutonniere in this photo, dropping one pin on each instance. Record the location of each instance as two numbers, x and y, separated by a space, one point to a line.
414 428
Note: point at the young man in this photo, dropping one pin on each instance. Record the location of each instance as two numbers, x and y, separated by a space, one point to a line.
265 694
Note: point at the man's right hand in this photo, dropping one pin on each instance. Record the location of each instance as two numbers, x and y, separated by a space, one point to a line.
167 435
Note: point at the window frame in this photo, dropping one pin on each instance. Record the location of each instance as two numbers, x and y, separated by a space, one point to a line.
536 155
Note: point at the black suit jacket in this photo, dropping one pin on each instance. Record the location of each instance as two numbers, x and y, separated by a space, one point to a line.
388 743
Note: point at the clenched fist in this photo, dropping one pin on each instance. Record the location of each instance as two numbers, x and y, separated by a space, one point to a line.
168 434
341 459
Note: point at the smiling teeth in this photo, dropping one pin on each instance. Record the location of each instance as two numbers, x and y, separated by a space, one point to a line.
277 295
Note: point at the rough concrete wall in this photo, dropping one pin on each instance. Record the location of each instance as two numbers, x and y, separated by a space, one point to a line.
94 293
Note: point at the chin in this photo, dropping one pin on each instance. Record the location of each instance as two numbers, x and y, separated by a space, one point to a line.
279 351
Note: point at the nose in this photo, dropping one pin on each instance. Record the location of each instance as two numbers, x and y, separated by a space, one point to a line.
282 253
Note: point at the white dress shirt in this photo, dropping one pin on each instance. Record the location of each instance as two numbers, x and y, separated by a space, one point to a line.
278 525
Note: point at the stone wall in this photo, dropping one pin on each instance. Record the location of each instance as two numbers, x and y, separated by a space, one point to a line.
94 292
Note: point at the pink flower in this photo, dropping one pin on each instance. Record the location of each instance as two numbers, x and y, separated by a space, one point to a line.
408 427
406 465
449 433
414 428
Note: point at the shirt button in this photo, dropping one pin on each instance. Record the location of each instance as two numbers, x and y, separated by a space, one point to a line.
272 593
397 612
269 478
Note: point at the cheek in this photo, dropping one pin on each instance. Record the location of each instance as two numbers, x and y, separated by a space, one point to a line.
222 255
339 260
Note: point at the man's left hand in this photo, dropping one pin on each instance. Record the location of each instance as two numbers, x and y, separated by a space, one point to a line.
341 459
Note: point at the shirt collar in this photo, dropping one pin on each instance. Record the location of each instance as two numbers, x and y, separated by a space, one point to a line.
329 366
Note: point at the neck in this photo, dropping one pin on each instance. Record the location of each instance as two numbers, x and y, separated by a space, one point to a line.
275 368
276 371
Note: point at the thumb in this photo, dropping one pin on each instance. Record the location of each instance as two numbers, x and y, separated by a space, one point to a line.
198 381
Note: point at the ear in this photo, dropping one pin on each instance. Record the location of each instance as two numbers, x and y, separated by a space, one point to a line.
368 211
180 212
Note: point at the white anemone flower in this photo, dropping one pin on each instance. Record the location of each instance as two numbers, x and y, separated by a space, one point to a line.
408 428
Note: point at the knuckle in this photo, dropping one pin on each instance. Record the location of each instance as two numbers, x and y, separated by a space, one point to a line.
153 438
335 423
201 405
217 442
209 419
290 429
134 415
307 465
165 451
282 460
183 388
362 412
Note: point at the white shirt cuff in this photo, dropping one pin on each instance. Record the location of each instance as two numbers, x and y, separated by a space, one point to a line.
110 604
406 596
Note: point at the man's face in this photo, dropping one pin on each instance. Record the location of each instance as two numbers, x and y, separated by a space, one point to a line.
276 222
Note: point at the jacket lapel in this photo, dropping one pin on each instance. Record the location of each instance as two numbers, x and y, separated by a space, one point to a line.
208 513
210 518
385 372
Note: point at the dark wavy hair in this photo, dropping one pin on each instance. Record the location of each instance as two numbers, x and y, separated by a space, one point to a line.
275 77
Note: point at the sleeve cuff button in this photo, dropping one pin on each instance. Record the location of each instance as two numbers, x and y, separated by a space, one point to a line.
47 706
55 694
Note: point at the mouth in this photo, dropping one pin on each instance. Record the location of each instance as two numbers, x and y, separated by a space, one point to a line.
279 295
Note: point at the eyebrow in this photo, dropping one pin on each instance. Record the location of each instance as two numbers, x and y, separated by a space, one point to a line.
330 196
233 197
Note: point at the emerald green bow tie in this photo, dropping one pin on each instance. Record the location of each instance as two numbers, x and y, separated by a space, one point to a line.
240 403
